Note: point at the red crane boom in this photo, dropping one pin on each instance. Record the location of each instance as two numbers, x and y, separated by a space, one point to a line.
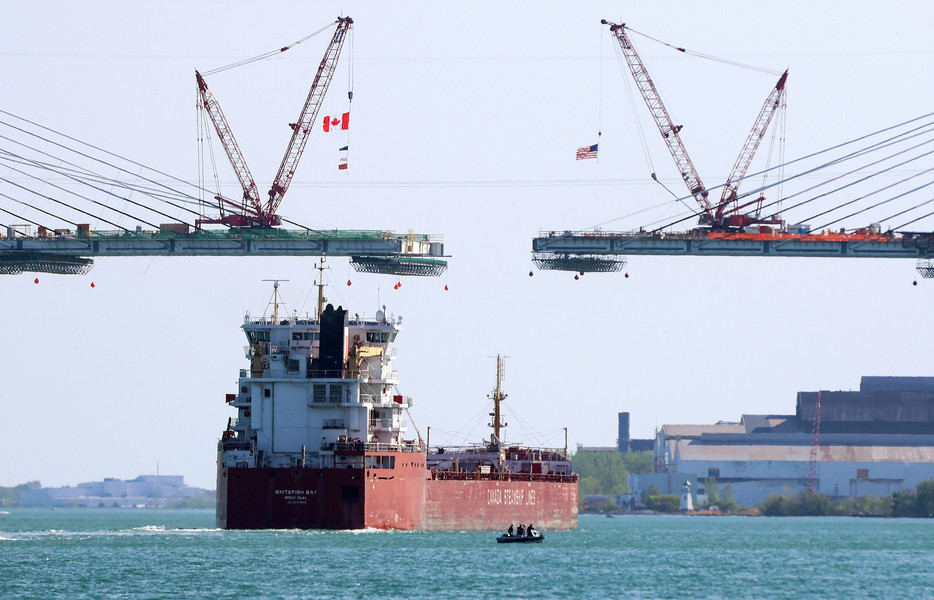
728 200
309 114
251 204
663 120
721 215
252 213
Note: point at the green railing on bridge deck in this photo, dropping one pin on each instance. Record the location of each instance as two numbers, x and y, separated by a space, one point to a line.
260 234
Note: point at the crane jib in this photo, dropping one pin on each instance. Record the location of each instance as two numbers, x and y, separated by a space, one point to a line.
252 211
723 215
308 115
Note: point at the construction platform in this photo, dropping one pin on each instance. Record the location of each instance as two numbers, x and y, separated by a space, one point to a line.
67 252
572 250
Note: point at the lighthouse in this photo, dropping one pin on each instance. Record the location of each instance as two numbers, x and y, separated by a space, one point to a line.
687 502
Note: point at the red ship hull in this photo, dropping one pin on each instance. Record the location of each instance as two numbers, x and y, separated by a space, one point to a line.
304 498
405 497
492 504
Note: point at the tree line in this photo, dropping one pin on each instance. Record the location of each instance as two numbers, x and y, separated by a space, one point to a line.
606 473
905 503
9 496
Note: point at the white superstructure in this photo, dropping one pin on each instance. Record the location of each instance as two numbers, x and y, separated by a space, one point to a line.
315 388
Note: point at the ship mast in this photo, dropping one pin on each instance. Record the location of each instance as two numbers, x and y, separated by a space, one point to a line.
274 301
498 396
320 283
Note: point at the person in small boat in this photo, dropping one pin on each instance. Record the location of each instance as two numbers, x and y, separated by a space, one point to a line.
511 530
530 532
521 530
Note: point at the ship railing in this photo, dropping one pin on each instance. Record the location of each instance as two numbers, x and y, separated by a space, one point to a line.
359 447
236 445
342 447
409 446
461 475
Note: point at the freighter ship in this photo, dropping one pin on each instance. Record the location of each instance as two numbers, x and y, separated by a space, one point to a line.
320 442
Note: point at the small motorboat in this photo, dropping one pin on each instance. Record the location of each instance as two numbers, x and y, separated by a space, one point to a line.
519 539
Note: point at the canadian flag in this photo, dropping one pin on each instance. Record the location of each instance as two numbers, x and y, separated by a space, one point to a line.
337 123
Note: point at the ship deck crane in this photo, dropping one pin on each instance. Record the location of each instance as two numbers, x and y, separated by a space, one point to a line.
721 215
252 211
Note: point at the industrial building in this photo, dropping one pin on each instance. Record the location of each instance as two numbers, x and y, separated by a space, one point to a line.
624 443
845 444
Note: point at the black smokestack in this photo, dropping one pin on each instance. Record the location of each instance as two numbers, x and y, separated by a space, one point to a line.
623 439
330 361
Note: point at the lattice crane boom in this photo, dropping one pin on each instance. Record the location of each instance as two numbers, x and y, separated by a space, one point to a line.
252 212
663 120
302 128
251 205
728 200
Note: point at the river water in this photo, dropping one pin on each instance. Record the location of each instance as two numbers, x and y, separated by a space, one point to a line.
126 553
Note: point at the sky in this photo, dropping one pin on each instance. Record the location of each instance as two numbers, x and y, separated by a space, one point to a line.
465 119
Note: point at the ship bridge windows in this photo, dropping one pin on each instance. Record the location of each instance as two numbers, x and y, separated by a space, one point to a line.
380 337
312 336
261 335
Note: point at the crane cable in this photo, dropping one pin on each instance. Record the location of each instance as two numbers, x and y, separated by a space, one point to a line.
858 181
877 204
268 54
852 172
346 158
852 183
638 122
101 204
907 223
20 217
643 139
86 176
86 183
39 209
832 162
205 140
180 194
707 56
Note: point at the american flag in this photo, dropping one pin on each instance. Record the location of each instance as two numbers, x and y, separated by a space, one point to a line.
587 152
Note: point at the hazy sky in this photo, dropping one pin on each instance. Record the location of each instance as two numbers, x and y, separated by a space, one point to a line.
465 120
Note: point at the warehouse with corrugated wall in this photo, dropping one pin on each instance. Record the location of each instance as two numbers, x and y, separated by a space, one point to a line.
845 444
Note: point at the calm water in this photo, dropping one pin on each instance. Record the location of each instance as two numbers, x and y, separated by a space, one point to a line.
112 553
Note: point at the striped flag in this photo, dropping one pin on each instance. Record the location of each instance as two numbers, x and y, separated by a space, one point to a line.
585 152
